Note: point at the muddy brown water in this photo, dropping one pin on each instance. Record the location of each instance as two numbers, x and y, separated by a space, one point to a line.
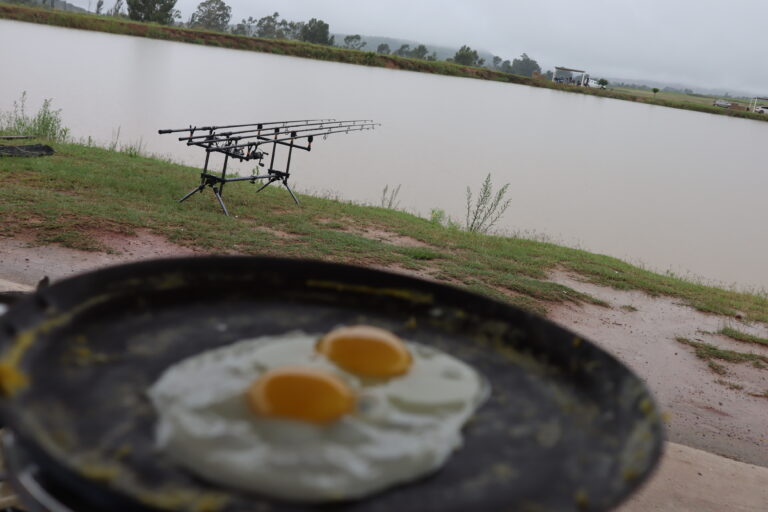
670 189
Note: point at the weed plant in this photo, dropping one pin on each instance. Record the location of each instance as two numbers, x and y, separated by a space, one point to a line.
389 197
488 208
45 124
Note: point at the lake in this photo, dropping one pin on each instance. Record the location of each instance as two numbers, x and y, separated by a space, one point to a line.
671 190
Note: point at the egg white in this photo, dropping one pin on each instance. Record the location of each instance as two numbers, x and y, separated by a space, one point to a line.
402 427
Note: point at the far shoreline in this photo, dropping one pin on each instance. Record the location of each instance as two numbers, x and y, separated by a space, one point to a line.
124 26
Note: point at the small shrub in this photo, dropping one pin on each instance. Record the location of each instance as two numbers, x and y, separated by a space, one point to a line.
488 208
437 216
370 58
46 124
134 149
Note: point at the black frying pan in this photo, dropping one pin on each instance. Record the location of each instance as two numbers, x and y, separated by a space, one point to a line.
566 428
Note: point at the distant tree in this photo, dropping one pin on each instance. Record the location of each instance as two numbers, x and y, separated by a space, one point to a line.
293 30
432 57
403 51
383 48
549 74
468 57
655 90
506 67
99 6
211 14
525 66
316 31
157 11
245 27
354 42
420 52
496 62
603 82
268 27
115 11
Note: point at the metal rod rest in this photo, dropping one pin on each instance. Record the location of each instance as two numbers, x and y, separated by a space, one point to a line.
244 145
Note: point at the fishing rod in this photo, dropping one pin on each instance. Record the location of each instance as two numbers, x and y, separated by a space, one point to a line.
262 128
264 139
195 128
231 147
274 132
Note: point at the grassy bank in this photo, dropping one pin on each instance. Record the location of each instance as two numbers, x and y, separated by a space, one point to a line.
123 26
81 195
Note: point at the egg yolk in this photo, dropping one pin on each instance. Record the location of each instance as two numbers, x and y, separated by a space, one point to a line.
300 393
366 351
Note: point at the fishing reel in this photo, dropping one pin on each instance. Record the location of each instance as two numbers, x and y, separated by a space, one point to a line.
257 155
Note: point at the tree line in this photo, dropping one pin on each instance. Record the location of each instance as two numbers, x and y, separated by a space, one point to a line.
217 15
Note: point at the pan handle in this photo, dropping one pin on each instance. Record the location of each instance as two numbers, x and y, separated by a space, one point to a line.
23 478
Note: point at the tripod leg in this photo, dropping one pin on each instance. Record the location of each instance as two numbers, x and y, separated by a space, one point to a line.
271 180
285 184
221 201
197 189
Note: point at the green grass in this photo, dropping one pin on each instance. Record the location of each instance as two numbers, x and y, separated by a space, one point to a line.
82 192
709 352
125 26
730 385
742 336
717 367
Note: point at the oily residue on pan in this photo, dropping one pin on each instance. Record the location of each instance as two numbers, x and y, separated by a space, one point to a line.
12 379
409 295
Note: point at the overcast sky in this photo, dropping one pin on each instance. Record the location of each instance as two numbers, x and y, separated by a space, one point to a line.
701 43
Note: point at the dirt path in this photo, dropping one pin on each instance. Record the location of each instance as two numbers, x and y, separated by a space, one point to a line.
715 413
23 263
707 412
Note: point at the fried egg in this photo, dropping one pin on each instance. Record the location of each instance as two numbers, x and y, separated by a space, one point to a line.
309 417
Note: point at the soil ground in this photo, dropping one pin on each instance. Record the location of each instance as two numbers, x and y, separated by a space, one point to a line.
718 455
723 414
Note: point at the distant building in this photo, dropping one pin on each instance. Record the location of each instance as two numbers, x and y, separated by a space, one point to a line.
564 75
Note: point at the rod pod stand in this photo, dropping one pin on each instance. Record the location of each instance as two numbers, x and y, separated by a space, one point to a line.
244 145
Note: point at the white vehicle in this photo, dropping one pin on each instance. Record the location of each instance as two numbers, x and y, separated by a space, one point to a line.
762 109
594 83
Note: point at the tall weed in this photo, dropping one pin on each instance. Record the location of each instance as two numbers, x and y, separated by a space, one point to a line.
389 197
487 208
45 124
